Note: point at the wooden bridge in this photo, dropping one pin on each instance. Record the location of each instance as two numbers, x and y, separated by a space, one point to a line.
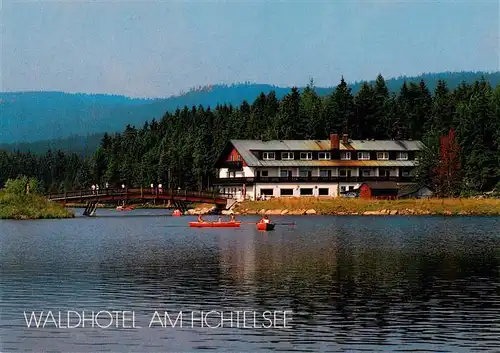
177 198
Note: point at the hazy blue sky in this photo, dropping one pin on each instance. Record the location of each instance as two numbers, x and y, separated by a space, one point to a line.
158 48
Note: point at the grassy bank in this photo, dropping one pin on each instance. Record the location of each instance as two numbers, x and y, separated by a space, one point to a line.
31 206
356 206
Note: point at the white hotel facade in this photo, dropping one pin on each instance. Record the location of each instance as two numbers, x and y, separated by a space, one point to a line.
254 169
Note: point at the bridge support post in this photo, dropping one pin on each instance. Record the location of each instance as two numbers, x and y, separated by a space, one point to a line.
90 209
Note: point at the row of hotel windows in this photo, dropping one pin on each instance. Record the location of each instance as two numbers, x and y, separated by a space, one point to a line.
283 191
303 191
324 156
343 172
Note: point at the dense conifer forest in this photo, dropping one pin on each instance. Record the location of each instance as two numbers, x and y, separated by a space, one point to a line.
39 121
180 149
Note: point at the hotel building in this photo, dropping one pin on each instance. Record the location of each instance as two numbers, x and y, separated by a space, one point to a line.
255 169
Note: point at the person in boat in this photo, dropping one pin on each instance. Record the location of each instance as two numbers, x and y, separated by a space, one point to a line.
220 219
200 220
265 219
232 218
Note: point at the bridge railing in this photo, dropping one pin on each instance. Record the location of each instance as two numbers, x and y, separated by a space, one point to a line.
138 191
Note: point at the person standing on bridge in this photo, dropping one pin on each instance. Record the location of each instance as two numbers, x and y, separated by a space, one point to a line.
97 189
160 189
93 189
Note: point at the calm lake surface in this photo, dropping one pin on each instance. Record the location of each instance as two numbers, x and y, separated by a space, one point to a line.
352 283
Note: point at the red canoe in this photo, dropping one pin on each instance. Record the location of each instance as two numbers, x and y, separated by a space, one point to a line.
265 226
214 224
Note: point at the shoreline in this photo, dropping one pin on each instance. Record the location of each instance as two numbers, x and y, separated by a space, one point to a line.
362 207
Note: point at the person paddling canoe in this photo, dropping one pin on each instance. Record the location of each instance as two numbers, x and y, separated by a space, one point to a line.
265 219
200 220
231 218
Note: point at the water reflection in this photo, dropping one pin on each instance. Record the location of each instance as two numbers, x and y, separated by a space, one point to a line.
354 284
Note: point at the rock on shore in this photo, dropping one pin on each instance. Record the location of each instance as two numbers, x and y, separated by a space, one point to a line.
382 212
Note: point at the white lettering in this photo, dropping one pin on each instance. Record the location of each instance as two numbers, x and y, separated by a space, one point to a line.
173 324
106 313
69 319
157 316
91 319
33 317
264 315
213 312
51 318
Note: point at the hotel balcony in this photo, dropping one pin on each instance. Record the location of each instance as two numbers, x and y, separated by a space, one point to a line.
313 179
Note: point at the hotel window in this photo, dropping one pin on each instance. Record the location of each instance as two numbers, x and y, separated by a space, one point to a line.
305 172
342 189
284 173
268 156
402 156
323 192
405 172
363 156
267 192
365 172
287 156
323 173
306 191
382 156
384 172
306 155
238 157
324 156
345 156
286 192
343 172
264 173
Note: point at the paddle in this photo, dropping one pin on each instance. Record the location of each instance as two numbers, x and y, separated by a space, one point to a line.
279 224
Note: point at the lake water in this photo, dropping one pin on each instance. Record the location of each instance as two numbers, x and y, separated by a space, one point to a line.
352 283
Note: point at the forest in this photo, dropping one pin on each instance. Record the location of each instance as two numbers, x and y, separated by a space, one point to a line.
180 149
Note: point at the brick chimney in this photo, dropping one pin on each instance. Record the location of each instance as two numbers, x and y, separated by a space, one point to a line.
345 139
334 141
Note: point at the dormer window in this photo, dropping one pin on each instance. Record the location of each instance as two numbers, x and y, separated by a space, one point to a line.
306 156
382 156
268 156
402 156
364 156
345 156
287 156
324 156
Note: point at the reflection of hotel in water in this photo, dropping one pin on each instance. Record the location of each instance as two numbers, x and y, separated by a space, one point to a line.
252 256
237 258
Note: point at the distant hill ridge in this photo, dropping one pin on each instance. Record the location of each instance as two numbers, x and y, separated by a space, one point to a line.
64 120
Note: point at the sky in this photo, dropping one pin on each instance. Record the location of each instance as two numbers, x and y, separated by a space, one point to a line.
160 48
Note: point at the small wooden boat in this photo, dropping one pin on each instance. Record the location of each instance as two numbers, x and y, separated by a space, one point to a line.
214 224
265 226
